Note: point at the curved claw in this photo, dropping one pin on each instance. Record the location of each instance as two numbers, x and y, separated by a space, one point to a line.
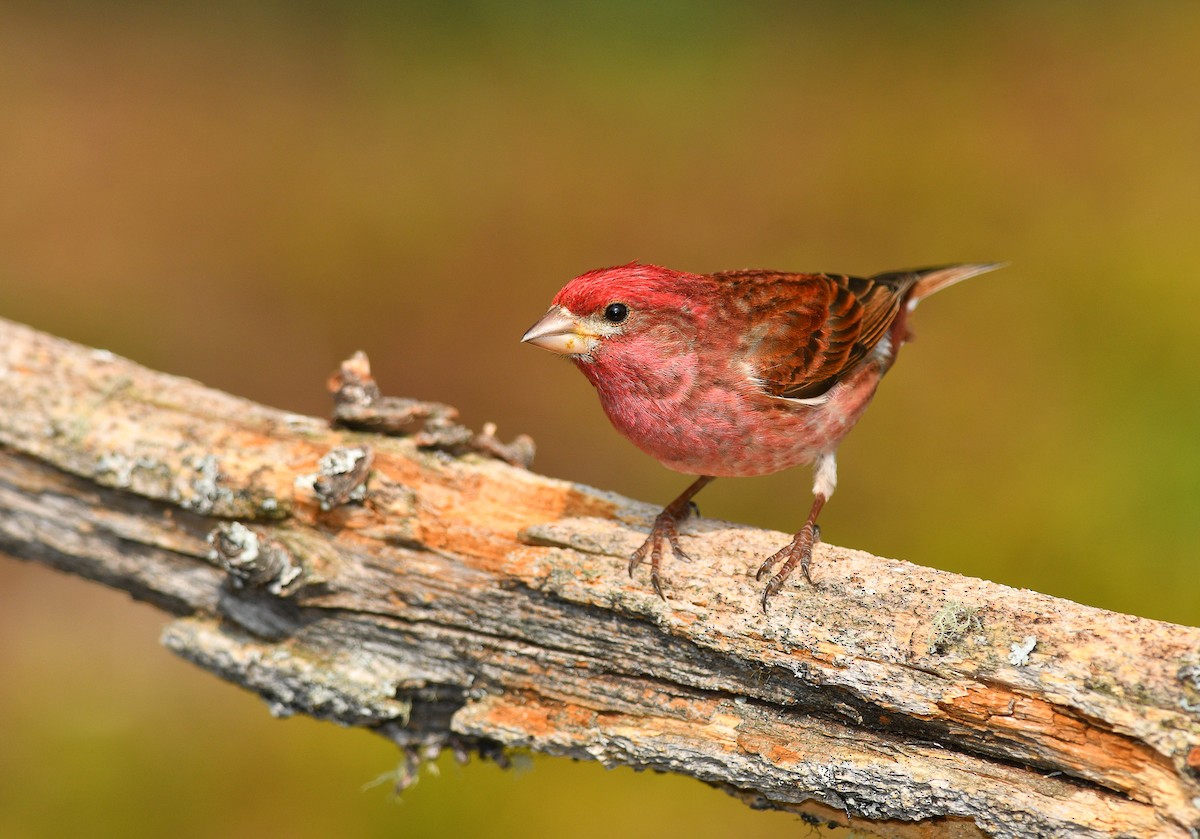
797 552
770 561
657 586
665 528
769 591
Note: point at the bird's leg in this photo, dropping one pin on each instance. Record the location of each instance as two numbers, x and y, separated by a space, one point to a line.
799 550
666 526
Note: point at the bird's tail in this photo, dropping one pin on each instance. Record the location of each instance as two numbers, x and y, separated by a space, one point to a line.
930 280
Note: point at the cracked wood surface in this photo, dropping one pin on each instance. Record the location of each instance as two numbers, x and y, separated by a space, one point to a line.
455 600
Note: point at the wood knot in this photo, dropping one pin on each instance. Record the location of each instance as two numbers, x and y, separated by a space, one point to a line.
253 559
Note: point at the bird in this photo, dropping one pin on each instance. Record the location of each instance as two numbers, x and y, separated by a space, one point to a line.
736 373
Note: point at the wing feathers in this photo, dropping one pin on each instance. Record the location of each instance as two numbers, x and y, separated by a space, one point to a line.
804 332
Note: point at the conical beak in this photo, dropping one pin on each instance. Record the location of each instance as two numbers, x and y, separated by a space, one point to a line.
562 333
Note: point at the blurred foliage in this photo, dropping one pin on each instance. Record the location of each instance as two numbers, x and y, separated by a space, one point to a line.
247 192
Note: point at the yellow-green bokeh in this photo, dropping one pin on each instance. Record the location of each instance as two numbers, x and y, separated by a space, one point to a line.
247 192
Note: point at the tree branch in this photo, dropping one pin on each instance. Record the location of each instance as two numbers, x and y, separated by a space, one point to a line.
422 587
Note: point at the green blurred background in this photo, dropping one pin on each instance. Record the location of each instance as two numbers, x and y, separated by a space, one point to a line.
245 193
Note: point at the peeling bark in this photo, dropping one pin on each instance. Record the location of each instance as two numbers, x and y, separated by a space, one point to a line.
426 587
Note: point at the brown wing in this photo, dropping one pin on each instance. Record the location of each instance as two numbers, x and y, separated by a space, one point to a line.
805 331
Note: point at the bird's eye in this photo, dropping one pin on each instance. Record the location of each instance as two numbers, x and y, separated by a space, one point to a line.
616 312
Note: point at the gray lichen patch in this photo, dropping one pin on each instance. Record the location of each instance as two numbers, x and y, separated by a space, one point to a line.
1189 675
1018 655
196 483
952 623
267 506
142 475
203 492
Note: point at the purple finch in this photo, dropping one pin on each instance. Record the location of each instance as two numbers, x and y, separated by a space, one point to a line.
735 374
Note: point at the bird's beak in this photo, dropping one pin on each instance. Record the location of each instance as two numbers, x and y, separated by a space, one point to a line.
562 333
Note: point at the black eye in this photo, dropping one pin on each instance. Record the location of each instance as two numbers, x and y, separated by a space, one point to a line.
616 312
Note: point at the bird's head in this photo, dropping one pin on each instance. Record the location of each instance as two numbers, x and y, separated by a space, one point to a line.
619 313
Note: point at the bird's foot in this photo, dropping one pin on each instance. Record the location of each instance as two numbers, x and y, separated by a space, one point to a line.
666 527
797 552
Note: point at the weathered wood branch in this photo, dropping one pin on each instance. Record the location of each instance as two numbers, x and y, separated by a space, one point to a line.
419 586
